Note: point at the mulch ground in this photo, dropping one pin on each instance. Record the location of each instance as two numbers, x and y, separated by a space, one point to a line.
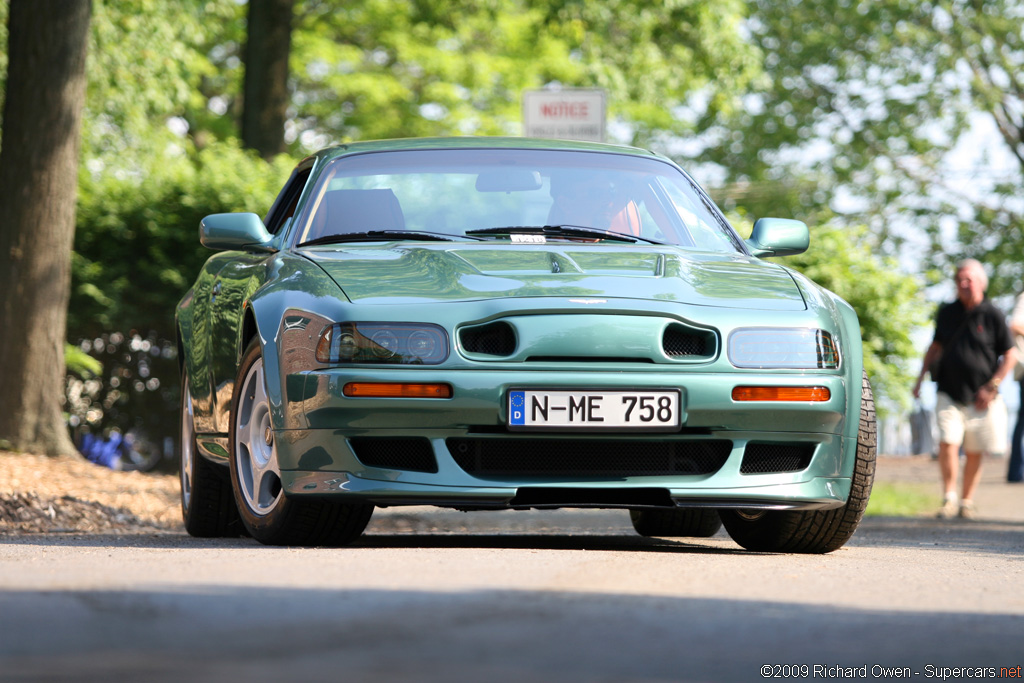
39 494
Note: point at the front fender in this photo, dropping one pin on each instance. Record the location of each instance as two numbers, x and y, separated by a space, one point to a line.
287 313
847 323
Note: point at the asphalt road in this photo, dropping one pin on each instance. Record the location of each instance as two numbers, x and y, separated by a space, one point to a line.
511 596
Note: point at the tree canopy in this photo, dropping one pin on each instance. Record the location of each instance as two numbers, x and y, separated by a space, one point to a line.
869 113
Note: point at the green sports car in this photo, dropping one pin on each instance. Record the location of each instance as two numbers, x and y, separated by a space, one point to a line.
490 323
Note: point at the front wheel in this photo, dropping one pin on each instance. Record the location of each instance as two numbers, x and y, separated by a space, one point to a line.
269 515
814 531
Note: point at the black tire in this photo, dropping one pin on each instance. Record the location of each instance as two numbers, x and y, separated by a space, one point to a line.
267 513
814 531
693 522
207 506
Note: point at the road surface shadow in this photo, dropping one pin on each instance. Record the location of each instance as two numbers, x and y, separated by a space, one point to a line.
991 536
441 540
222 632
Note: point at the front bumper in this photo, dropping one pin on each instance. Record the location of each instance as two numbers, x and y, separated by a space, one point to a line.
317 456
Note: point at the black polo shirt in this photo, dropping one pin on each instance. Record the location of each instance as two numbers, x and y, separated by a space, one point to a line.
972 342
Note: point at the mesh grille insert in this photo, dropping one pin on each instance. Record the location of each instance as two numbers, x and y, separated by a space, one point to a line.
587 457
680 342
764 458
495 339
395 453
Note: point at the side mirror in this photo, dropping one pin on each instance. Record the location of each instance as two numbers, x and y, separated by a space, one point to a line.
779 237
227 231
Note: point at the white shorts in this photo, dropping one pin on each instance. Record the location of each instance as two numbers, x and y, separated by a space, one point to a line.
980 431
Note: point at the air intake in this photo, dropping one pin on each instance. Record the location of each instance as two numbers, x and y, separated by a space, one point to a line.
681 342
770 458
395 453
494 339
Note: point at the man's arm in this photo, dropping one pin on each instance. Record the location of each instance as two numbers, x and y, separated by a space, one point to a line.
990 389
930 356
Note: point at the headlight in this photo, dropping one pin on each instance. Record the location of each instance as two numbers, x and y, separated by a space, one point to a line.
778 347
391 343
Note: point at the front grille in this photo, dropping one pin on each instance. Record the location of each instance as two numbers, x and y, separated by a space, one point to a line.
765 458
680 342
494 339
587 457
395 453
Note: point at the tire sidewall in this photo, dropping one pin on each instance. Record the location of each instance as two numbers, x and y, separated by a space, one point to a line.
188 440
262 527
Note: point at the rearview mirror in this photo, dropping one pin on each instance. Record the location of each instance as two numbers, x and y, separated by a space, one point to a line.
508 180
227 231
779 237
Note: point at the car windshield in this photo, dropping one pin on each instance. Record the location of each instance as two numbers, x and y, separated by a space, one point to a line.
516 195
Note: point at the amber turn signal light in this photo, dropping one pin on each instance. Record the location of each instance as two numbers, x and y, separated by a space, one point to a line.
397 390
781 394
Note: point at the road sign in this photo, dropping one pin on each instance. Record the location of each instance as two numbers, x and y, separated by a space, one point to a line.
566 114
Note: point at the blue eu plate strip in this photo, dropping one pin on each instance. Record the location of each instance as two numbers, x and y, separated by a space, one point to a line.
517 408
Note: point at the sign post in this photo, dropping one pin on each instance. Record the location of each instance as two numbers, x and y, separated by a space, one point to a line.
566 114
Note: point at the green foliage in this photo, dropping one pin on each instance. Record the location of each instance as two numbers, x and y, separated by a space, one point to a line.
137 244
385 69
889 303
137 251
902 499
80 363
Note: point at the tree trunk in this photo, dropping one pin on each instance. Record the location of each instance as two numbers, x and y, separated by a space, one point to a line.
265 100
47 42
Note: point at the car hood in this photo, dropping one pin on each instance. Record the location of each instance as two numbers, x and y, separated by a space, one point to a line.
403 273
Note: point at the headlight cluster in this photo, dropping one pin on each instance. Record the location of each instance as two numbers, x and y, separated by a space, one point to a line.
390 343
778 347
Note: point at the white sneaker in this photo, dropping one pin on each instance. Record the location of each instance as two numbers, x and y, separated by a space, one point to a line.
949 509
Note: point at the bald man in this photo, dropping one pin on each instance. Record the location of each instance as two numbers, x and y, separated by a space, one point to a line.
973 351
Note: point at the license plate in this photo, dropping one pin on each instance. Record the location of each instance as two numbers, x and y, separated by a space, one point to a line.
648 410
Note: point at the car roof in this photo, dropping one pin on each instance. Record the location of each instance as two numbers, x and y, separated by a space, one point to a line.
478 142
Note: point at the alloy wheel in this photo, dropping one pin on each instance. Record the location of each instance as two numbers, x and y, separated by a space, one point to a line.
255 449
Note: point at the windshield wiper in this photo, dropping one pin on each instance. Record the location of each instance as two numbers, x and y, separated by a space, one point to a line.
380 236
562 231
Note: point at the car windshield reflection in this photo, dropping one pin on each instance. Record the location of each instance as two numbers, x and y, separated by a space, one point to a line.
458 194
